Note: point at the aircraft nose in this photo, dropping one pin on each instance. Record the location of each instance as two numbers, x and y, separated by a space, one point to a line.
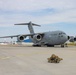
66 37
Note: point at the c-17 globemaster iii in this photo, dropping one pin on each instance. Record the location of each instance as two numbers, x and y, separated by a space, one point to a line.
50 38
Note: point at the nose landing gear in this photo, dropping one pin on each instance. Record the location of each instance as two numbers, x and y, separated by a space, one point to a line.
62 45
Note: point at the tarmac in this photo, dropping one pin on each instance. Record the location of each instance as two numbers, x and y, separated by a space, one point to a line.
28 60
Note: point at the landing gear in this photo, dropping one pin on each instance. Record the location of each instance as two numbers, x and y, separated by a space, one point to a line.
50 45
36 45
62 45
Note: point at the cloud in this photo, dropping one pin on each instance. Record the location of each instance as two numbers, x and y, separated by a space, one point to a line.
39 11
29 5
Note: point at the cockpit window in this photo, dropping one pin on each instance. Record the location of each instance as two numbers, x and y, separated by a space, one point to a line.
61 33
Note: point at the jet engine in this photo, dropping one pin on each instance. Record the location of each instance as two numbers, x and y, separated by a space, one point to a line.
72 39
20 38
37 37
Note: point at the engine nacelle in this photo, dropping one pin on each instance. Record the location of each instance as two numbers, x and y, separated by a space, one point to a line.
20 38
75 39
72 39
37 37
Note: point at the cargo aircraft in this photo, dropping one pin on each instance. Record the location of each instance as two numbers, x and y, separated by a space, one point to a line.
49 39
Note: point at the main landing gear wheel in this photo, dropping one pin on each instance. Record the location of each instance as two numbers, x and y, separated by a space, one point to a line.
36 45
50 45
62 46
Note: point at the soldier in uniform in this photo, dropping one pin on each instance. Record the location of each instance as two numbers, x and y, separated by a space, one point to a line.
54 59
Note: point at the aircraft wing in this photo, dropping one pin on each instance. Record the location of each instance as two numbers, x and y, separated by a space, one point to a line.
20 35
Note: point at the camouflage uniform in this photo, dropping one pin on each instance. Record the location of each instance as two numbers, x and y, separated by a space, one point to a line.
54 59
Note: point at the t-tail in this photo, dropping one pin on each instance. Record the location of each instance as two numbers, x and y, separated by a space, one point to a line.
30 26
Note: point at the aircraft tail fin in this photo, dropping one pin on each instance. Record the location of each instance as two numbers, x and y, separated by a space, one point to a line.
30 24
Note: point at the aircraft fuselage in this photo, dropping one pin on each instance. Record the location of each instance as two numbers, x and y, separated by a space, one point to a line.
52 38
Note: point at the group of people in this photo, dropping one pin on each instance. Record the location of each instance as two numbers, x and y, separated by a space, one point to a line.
54 59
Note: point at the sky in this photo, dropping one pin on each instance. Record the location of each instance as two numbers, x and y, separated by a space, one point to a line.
50 14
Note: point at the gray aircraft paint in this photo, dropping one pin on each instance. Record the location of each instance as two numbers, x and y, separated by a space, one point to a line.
53 38
45 38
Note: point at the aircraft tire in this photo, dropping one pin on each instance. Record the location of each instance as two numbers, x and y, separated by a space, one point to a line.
62 46
50 45
36 45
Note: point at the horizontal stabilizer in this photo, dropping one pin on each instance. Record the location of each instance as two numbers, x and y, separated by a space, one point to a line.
30 23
